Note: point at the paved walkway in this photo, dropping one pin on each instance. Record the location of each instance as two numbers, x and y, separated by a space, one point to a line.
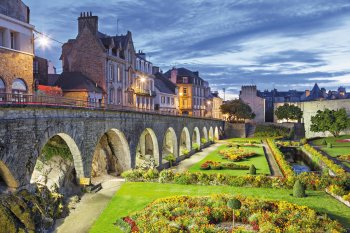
184 165
274 168
89 208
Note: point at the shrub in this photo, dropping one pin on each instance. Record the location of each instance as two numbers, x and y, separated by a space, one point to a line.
195 147
282 163
185 152
204 140
252 170
298 189
303 141
170 158
166 176
324 142
234 166
271 131
205 166
236 154
329 145
151 174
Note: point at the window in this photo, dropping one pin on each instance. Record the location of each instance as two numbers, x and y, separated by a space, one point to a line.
36 67
168 100
119 96
111 95
185 91
1 38
13 40
119 78
111 72
163 99
185 80
172 101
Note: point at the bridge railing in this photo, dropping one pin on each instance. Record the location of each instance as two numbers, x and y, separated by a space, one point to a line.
41 100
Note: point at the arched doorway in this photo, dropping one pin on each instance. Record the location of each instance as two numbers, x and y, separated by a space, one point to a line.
216 134
59 165
2 90
196 138
147 151
169 144
205 134
6 178
211 134
185 142
19 88
111 156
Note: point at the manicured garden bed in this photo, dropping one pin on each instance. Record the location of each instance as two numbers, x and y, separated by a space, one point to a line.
136 196
339 146
259 161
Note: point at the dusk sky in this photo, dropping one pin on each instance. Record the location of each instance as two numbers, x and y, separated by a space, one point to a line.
286 44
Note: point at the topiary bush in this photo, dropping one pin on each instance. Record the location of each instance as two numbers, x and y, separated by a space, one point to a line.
329 145
298 189
252 170
324 142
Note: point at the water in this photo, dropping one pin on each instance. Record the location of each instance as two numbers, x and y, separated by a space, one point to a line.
298 160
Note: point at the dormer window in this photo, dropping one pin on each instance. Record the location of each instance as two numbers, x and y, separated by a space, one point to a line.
185 80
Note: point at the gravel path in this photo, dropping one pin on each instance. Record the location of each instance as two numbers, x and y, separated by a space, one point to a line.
274 168
89 208
187 163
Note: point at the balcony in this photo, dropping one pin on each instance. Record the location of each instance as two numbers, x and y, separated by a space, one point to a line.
143 92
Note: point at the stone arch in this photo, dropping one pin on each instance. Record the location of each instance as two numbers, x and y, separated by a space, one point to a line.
216 133
185 141
205 133
169 144
211 133
111 155
2 85
59 165
7 177
147 149
196 137
19 86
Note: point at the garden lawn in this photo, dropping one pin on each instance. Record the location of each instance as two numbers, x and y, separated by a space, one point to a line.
135 196
339 148
259 161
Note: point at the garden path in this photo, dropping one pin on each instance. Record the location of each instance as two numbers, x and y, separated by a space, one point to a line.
184 165
89 208
275 170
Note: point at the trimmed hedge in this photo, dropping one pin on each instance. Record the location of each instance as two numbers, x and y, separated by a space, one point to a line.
282 163
271 131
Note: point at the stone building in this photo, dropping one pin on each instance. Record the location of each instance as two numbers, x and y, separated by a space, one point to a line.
16 48
143 85
216 103
193 91
40 71
166 100
107 61
249 95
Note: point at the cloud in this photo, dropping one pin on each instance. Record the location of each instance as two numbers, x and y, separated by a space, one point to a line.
284 44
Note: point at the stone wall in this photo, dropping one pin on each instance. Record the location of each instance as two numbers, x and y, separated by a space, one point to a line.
11 70
24 131
235 130
249 96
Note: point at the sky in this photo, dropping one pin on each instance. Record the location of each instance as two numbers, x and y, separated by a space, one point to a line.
282 44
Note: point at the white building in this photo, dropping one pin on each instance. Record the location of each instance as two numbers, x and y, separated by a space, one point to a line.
166 100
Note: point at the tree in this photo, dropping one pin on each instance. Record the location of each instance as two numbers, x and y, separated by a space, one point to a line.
289 112
233 204
237 110
333 121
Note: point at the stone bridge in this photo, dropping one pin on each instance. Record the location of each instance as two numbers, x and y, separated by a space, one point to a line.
25 130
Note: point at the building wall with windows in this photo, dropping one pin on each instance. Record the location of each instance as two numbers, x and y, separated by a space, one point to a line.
16 48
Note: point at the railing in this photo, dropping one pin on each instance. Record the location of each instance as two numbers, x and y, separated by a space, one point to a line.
49 101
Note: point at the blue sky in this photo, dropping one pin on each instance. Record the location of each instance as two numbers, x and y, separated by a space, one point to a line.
286 44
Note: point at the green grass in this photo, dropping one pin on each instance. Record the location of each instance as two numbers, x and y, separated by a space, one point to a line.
255 140
259 161
339 148
135 196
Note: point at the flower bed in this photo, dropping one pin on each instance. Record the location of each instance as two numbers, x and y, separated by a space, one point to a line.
319 157
288 143
271 131
212 165
345 158
204 214
282 163
236 154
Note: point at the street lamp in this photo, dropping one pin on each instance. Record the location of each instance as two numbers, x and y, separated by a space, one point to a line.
43 41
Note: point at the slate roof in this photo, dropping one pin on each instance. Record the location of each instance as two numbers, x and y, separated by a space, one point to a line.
164 85
315 93
183 72
120 42
77 81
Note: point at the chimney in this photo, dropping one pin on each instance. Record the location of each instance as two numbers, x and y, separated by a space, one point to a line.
142 54
307 93
173 77
87 20
196 73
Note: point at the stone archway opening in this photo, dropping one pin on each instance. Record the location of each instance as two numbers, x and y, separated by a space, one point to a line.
216 134
169 145
111 156
196 139
59 166
211 134
7 180
204 139
147 151
185 142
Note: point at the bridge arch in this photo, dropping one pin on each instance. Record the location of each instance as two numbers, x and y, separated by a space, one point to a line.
185 141
169 144
196 137
211 133
147 150
216 133
59 165
111 155
205 133
7 177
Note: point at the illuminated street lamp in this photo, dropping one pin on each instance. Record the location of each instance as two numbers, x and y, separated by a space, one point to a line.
142 79
43 41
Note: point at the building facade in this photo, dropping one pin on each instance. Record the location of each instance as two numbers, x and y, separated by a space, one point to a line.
166 100
249 95
16 49
193 91
216 102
